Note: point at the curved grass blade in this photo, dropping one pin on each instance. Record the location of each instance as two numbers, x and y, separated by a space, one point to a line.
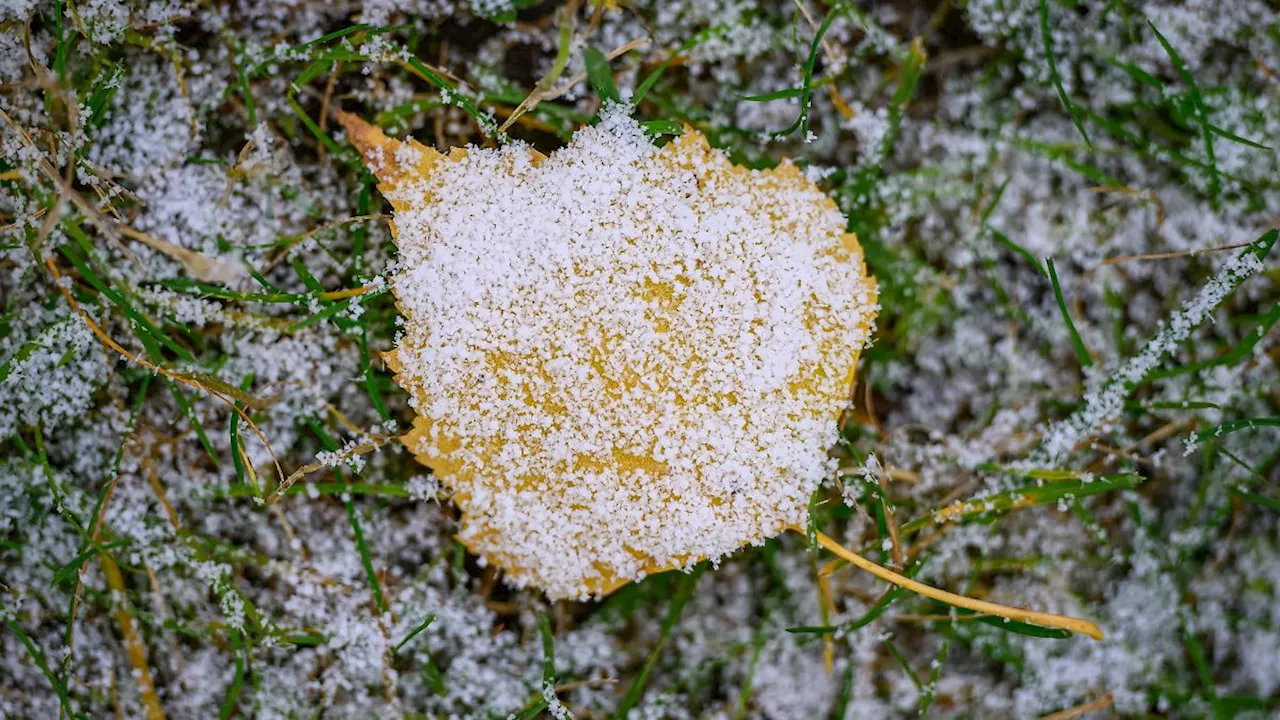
1082 352
1055 77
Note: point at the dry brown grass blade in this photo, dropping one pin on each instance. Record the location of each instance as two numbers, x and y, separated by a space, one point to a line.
201 267
339 223
349 292
832 57
565 19
1169 255
363 448
827 606
95 218
166 616
134 647
153 479
223 387
1147 195
237 172
1101 703
966 507
284 251
891 521
107 493
176 377
614 54
327 101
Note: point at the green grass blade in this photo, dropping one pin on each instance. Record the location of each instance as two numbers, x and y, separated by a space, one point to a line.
1257 499
1234 426
548 651
656 74
683 593
775 95
600 76
353 517
1055 77
984 226
1032 496
228 707
1202 114
935 672
38 656
1082 352
414 633
1021 628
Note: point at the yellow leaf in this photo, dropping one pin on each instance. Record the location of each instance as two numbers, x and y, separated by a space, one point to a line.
622 359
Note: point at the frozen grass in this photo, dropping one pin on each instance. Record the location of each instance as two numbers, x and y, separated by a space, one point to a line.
1070 402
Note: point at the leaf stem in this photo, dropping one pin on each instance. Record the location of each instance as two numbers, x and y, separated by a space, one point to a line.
1083 627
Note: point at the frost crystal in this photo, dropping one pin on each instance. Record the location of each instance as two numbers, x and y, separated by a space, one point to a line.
1102 406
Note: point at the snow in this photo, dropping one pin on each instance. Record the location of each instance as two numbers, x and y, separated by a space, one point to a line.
971 368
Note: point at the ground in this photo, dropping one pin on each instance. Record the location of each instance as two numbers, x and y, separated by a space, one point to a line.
1069 401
